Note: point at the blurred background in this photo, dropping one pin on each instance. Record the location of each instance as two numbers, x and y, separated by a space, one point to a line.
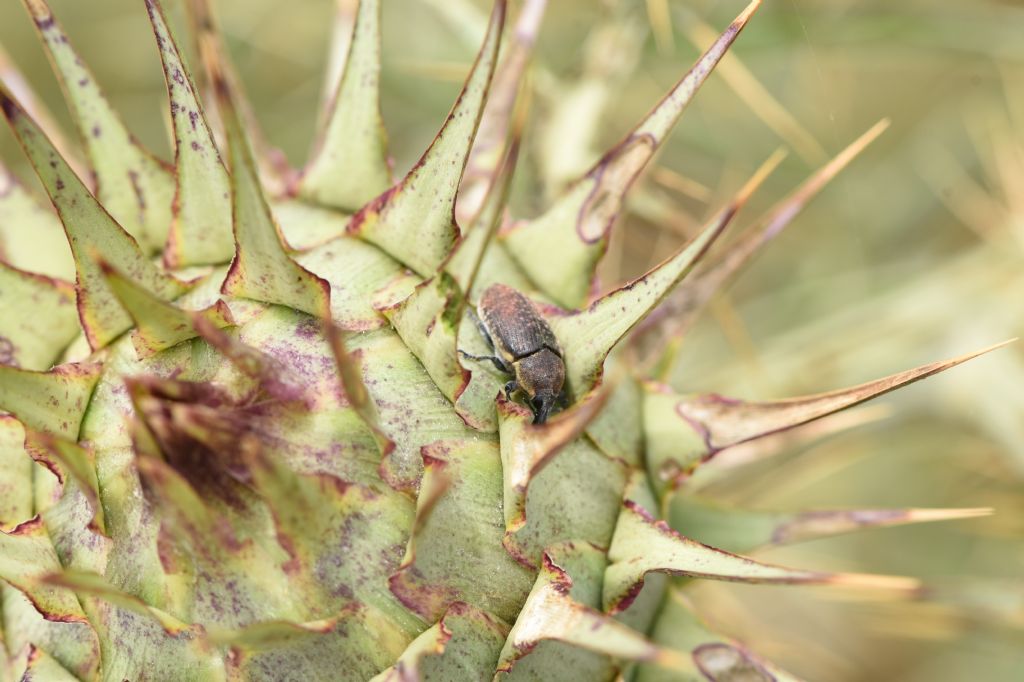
914 253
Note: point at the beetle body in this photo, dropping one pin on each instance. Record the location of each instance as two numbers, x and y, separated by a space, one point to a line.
524 347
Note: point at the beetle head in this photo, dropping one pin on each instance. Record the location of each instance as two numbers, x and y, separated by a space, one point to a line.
541 376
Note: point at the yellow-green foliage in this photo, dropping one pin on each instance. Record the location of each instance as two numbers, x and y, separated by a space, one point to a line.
243 433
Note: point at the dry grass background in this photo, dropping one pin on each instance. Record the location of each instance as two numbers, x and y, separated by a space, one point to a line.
914 253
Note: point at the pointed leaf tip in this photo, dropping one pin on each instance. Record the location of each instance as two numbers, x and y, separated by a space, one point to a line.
261 268
467 258
496 123
414 221
783 213
642 544
551 613
349 164
478 260
773 444
729 422
740 530
574 230
463 645
208 38
760 175
826 523
526 449
89 229
438 305
133 185
745 15
22 89
588 335
200 231
681 309
159 324
342 25
683 431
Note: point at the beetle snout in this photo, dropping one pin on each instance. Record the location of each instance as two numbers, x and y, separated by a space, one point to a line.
542 404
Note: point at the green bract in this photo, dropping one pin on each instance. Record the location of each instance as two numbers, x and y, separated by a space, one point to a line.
243 445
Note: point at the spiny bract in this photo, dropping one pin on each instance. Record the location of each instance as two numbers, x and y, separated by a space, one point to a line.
243 444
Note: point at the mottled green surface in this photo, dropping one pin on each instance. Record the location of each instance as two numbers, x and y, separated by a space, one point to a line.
840 299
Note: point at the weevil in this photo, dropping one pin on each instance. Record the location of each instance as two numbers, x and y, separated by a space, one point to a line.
524 347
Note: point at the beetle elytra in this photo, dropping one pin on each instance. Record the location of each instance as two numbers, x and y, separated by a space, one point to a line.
524 347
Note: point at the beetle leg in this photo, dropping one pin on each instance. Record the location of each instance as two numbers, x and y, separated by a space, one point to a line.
510 388
498 362
482 329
